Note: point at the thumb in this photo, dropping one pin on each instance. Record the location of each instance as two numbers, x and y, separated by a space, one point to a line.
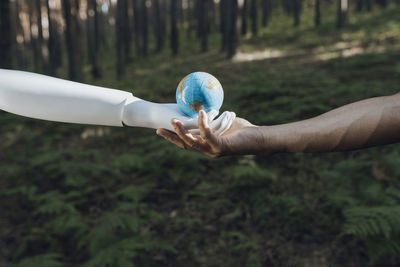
205 130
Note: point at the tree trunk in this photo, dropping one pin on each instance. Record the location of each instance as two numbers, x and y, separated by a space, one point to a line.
382 3
6 36
20 44
72 34
369 4
127 32
359 5
164 16
244 17
174 28
93 38
191 19
317 13
202 24
157 25
137 26
34 42
254 17
145 27
120 38
266 11
342 13
180 12
288 6
296 12
40 31
212 18
51 44
223 4
232 27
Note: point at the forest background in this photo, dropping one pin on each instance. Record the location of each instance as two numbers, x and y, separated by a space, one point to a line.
78 195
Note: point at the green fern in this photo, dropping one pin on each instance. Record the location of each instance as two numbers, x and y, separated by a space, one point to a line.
135 192
378 226
53 203
372 221
44 260
122 251
241 242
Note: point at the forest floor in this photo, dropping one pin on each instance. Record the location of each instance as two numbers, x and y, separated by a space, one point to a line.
74 194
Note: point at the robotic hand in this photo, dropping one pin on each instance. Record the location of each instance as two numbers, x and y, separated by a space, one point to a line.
42 97
153 115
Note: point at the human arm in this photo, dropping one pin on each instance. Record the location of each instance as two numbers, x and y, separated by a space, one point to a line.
371 122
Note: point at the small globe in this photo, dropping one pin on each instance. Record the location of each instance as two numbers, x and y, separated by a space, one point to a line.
199 90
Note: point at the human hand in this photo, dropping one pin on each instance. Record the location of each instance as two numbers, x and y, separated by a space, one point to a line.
218 126
241 138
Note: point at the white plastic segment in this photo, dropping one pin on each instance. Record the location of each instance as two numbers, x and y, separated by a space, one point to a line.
42 97
147 114
47 98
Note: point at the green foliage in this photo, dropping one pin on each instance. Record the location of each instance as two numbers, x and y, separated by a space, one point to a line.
379 226
128 198
372 221
45 260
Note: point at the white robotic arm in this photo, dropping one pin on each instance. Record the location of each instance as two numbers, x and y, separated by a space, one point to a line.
42 97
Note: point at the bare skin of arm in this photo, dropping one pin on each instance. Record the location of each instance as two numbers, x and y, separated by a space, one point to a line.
370 122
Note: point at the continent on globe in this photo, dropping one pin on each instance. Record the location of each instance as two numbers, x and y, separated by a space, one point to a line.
199 90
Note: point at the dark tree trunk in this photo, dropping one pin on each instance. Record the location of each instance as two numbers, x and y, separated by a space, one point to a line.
203 24
254 17
93 37
359 5
120 37
13 29
191 22
51 44
6 36
72 33
266 11
174 28
369 4
96 71
382 3
223 5
317 12
232 27
103 29
145 27
164 16
181 17
288 6
296 12
34 41
126 31
244 17
158 25
137 26
342 13
212 18
40 31
20 44
141 27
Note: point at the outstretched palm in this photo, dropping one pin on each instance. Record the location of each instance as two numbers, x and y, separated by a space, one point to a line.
235 139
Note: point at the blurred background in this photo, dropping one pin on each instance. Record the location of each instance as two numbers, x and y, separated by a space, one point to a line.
78 195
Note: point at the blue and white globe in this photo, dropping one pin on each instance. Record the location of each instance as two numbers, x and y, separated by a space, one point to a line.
199 90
